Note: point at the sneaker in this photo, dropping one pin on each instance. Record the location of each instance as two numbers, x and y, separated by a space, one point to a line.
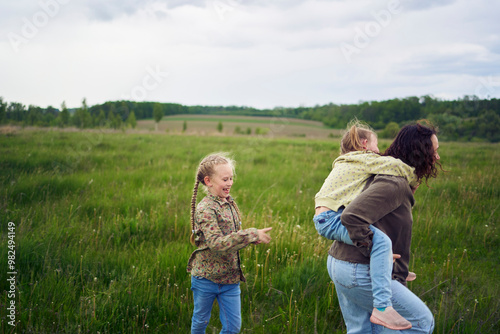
390 318
411 276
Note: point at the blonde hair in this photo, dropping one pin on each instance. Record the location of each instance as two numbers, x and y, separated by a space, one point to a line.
207 168
355 133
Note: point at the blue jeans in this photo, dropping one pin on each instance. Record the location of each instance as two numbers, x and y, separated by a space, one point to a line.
354 291
228 297
328 224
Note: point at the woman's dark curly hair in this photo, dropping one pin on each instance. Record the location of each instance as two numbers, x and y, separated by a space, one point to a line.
413 146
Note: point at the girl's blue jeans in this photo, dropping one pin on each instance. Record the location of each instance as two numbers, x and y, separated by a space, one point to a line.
354 291
228 298
328 224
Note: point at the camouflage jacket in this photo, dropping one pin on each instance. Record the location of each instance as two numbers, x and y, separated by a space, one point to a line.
219 238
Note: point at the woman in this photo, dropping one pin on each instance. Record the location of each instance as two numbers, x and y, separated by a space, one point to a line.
386 203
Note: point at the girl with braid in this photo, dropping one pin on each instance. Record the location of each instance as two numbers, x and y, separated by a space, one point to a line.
215 265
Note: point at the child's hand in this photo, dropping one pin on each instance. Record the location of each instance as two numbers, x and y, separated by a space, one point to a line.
411 276
263 237
395 256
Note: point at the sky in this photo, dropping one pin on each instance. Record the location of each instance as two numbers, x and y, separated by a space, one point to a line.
254 53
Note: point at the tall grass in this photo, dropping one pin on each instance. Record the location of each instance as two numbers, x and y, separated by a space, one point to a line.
102 230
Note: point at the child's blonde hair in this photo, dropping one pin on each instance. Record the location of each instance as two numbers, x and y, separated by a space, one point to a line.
355 133
207 168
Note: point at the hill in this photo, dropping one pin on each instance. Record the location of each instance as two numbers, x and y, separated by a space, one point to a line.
241 126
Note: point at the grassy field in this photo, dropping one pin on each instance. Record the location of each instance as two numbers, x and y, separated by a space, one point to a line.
101 233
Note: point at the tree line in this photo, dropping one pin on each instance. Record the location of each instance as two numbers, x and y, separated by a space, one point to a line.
468 118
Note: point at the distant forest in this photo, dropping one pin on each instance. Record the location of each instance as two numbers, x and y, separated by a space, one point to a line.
466 119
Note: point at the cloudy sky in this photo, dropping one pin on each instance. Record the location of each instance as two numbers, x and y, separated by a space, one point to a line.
258 53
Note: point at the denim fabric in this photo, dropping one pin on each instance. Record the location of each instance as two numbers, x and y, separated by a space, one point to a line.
228 298
353 285
328 224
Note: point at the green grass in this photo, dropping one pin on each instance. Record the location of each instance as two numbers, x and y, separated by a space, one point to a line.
102 233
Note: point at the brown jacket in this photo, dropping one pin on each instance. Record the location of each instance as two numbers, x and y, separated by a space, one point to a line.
386 203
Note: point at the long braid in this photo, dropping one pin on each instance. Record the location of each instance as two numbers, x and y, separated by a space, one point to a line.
193 210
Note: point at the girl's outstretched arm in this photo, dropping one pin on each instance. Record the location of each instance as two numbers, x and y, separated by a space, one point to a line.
216 240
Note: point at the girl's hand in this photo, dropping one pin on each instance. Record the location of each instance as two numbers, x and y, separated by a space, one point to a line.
263 236
395 256
411 276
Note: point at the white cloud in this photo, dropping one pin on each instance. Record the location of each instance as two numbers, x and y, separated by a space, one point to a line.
254 53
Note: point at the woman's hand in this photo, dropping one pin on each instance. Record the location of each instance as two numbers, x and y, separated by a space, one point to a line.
263 236
411 275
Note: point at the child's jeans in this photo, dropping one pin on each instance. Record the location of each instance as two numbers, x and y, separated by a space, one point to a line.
328 224
228 298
